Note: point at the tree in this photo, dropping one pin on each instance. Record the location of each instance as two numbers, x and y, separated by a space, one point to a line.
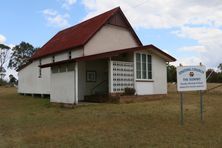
20 55
171 73
2 72
220 67
4 51
12 80
220 73
219 77
213 76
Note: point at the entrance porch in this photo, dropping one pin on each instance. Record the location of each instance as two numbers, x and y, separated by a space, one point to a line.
101 78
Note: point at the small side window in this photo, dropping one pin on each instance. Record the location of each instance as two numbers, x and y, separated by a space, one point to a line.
69 55
62 68
71 66
55 69
53 59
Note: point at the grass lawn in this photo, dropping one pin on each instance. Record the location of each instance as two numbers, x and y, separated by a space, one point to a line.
32 122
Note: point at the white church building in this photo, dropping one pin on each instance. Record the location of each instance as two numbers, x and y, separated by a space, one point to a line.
102 55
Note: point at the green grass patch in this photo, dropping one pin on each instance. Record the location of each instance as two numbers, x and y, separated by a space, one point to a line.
33 122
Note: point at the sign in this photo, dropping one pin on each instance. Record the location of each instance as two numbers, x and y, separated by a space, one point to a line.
191 78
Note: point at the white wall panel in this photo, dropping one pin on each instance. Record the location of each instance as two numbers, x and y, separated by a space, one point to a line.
159 75
63 87
144 88
110 38
81 80
29 81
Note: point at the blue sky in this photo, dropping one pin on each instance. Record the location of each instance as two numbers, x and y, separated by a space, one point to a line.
24 20
190 30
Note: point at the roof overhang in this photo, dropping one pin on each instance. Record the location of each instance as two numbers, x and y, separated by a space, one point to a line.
151 48
23 66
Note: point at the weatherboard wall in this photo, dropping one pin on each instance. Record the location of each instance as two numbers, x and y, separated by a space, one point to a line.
63 87
110 38
31 83
159 75
158 83
81 80
75 53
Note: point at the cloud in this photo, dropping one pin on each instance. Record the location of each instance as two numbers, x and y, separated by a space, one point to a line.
209 43
185 61
198 48
49 12
55 19
2 39
159 14
68 3
205 35
199 20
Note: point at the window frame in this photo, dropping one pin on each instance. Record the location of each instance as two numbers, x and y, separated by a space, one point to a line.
148 71
92 73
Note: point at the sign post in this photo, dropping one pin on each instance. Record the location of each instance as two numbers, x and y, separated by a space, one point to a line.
201 106
191 78
181 108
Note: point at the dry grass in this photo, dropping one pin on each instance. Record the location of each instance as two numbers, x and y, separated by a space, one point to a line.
32 122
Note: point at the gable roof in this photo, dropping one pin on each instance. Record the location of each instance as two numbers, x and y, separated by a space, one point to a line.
80 34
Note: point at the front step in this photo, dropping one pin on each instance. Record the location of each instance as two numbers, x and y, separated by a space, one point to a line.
96 98
122 99
101 98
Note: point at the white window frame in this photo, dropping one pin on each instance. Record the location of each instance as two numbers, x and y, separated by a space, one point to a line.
147 70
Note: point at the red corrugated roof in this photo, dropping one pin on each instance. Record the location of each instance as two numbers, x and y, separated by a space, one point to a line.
79 34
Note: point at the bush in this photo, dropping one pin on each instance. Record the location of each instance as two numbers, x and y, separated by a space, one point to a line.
129 91
3 82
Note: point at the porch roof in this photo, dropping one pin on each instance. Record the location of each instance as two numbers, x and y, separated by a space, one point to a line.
151 48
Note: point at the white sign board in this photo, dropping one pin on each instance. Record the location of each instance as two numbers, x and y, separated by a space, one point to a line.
191 78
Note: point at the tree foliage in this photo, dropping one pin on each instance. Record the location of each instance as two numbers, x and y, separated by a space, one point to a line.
220 67
3 82
214 77
4 51
12 80
2 72
20 55
171 73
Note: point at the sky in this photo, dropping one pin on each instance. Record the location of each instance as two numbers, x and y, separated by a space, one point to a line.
189 30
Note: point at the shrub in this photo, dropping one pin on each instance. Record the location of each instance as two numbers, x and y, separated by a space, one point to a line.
129 91
3 82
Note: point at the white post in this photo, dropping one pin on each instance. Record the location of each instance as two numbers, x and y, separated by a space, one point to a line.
76 84
110 76
134 69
